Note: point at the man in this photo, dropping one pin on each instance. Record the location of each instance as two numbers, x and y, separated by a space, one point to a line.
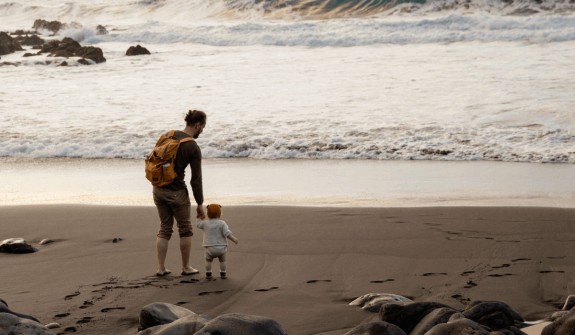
173 200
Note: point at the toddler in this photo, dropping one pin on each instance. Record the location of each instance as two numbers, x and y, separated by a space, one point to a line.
216 231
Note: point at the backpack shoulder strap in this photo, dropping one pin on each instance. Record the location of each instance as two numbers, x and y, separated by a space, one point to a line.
186 139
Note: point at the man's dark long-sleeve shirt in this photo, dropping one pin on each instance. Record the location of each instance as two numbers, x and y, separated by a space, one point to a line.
188 153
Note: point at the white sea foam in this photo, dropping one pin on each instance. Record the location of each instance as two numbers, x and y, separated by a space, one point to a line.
433 82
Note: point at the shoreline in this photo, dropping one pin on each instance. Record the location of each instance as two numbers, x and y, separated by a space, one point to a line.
338 183
300 266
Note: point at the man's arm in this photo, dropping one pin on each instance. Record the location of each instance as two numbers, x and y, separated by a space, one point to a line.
196 182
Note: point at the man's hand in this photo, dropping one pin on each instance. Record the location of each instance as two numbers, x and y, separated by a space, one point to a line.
200 212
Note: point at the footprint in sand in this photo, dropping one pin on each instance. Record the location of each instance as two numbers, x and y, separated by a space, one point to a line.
86 304
70 296
381 281
318 280
470 284
461 298
210 292
70 330
107 309
500 266
434 274
85 319
266 289
62 315
551 271
520 259
465 273
555 257
189 281
501 274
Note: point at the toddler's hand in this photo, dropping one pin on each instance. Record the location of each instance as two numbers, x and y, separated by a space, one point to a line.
200 213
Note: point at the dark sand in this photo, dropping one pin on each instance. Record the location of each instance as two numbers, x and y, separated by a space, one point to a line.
298 265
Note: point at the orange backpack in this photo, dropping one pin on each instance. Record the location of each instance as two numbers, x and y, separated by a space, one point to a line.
160 162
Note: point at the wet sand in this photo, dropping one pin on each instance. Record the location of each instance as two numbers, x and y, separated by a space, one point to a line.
298 265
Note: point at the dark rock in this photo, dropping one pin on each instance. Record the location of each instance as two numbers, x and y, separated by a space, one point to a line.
16 246
21 32
241 324
510 331
376 328
189 324
101 30
565 325
137 50
373 301
84 61
433 318
14 325
160 313
494 314
8 44
459 327
31 40
68 47
53 26
9 64
92 53
569 303
407 316
4 309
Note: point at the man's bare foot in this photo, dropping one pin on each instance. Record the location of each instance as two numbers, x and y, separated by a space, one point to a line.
188 271
163 273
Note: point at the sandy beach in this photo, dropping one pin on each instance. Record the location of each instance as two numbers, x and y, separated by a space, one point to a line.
298 265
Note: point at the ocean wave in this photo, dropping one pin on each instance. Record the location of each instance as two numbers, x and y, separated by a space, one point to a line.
186 10
529 144
344 33
296 23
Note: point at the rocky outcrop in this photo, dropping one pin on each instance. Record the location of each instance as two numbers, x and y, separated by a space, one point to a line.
68 47
564 325
495 315
160 313
31 40
14 323
167 319
189 324
239 324
8 44
92 53
53 26
376 328
433 318
137 50
4 309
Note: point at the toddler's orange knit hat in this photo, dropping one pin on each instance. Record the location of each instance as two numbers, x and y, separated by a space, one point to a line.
214 211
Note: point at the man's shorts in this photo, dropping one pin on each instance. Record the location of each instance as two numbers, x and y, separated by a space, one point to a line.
173 205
